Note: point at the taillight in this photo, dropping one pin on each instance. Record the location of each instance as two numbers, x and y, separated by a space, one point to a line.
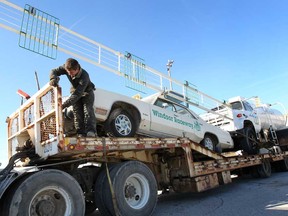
239 115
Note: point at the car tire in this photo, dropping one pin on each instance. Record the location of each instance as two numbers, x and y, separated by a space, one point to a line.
121 124
249 143
209 142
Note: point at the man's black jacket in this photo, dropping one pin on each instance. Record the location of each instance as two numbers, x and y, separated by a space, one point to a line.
80 84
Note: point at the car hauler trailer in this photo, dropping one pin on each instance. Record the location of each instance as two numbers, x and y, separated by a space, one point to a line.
119 176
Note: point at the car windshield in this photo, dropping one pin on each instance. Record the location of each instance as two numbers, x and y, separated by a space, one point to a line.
175 97
237 105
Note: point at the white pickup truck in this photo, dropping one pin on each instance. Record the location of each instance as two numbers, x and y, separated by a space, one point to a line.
249 125
159 115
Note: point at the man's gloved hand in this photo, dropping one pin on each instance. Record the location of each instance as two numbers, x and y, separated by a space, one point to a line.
54 82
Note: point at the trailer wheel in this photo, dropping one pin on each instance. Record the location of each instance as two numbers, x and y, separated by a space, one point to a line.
121 123
209 142
135 189
249 141
282 165
48 192
263 170
101 191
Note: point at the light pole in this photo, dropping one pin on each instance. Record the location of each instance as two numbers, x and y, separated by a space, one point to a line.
169 65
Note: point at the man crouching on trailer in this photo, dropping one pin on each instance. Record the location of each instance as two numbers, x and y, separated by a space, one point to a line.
81 98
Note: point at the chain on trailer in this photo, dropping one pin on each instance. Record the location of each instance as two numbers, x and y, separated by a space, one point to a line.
115 205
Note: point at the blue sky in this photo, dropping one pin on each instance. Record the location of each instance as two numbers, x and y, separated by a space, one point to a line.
225 47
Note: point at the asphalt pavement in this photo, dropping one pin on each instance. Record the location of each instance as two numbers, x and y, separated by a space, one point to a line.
245 196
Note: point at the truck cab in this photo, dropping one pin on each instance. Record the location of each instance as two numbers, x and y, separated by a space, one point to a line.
243 115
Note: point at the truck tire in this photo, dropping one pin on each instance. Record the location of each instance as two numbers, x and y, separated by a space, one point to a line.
263 170
49 192
101 191
282 165
88 189
121 124
249 142
135 189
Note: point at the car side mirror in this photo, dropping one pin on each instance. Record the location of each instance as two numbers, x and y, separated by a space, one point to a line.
164 105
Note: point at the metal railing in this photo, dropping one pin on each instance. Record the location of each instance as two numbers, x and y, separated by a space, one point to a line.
86 49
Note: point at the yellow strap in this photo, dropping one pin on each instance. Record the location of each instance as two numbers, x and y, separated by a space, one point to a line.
109 180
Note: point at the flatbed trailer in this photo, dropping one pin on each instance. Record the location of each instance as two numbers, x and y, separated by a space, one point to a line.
119 176
50 174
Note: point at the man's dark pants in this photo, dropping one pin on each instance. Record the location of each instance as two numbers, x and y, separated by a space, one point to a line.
84 115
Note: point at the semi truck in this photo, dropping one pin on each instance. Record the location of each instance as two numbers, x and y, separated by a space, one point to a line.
52 174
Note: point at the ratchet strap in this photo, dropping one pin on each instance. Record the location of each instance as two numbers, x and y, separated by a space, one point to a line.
109 179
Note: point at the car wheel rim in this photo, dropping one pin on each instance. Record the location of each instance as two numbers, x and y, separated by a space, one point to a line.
50 201
123 125
136 191
208 143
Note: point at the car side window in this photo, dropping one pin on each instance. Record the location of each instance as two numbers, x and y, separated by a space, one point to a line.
174 108
247 106
184 112
181 110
